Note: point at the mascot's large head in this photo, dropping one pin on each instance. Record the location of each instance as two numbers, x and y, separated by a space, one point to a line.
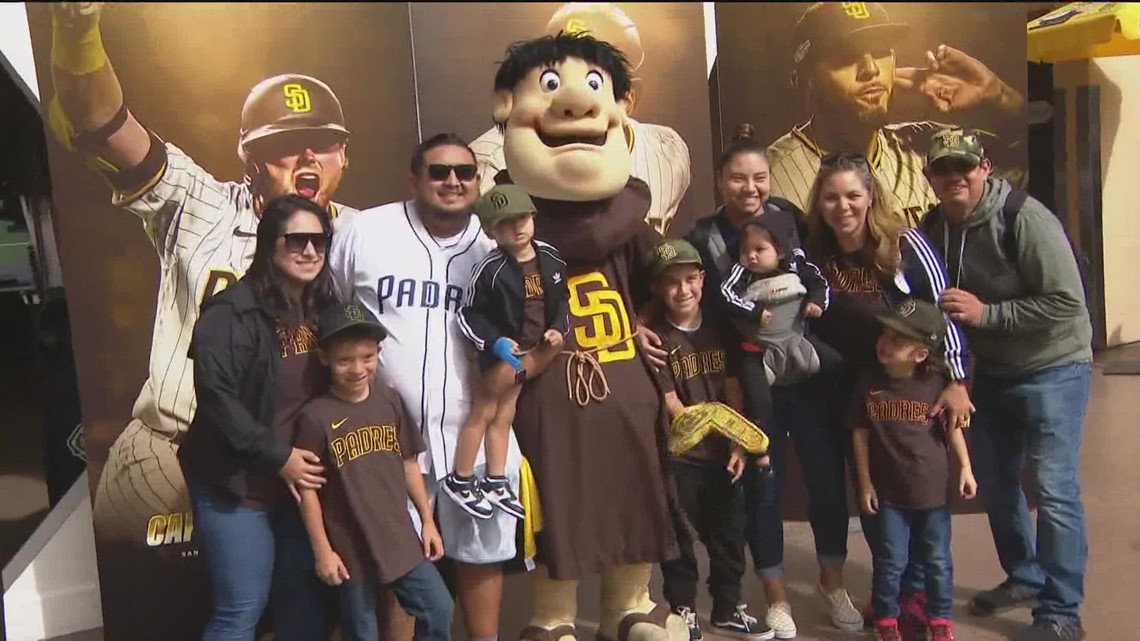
561 103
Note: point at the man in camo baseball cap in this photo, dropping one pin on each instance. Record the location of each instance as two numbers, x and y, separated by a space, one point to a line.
963 144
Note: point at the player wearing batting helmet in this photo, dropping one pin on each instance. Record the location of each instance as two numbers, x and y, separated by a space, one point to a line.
845 73
292 141
660 157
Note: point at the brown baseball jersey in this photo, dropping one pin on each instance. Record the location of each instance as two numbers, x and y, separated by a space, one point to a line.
698 368
898 155
364 503
660 159
908 456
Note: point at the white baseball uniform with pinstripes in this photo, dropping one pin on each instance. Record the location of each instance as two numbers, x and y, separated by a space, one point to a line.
660 158
896 159
416 284
204 231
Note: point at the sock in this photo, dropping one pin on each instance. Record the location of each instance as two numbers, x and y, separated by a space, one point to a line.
491 477
494 638
465 479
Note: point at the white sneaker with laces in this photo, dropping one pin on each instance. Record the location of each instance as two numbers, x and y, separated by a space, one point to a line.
779 618
844 614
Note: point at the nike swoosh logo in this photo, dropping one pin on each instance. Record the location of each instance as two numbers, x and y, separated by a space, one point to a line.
339 423
875 392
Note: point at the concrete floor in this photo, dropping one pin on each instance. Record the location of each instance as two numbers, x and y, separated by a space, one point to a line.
1109 474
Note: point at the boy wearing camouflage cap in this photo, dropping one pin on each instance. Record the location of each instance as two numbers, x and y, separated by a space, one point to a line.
516 314
902 463
701 370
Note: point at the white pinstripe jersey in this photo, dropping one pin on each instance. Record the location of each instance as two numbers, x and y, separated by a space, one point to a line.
204 231
897 158
415 284
660 158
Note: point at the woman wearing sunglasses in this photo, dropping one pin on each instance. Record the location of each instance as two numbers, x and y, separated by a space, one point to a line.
871 262
255 364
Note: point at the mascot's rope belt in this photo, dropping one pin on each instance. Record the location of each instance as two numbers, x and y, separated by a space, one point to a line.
585 378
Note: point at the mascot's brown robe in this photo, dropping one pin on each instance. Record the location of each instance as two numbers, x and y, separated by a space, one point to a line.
599 468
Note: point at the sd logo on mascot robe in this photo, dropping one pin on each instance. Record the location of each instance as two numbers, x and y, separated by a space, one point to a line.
596 453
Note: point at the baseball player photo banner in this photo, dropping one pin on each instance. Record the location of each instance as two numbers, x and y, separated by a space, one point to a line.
169 127
664 43
873 78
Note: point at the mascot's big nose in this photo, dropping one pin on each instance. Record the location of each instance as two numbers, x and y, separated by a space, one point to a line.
576 103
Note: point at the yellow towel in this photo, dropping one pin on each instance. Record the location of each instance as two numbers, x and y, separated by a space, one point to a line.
532 523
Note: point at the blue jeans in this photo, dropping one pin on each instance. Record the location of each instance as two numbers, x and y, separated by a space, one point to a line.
913 537
239 545
1037 418
801 413
421 594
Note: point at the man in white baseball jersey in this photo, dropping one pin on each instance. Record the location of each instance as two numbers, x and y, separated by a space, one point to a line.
410 263
845 72
660 157
292 141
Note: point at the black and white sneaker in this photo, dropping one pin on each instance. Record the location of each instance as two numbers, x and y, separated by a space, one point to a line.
744 626
690 618
467 495
498 493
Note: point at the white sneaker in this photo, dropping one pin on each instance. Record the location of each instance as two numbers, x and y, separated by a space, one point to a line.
844 614
779 618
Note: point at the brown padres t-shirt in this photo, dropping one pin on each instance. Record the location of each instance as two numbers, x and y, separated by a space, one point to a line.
534 307
697 371
300 377
365 501
908 452
851 323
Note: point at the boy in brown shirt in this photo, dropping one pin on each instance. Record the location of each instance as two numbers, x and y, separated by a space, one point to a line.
698 371
902 462
361 531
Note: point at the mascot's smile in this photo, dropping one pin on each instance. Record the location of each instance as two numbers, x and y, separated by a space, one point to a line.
577 140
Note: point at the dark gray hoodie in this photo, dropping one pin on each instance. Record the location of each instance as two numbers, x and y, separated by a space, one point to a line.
1035 315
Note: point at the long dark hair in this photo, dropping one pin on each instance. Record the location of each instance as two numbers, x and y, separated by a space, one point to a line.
266 279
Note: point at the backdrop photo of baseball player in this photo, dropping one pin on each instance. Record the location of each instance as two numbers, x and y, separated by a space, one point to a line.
664 43
186 70
818 78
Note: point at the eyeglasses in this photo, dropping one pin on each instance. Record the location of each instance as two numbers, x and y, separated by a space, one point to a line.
440 173
296 243
843 158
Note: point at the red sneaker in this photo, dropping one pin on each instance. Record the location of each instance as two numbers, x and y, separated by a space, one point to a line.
887 630
940 630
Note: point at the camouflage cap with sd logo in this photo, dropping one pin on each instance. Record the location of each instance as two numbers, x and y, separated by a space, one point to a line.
503 202
956 142
339 318
670 252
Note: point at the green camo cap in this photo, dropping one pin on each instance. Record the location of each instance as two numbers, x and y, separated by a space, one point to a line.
503 202
956 143
917 319
673 251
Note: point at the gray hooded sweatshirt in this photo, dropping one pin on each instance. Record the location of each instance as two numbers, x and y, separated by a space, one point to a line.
1034 315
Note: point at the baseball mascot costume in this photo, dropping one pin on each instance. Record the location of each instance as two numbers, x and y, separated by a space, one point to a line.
592 426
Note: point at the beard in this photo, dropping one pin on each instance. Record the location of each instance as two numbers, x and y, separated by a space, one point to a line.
845 111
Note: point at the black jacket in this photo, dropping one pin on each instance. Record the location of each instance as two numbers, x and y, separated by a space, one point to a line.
496 299
236 355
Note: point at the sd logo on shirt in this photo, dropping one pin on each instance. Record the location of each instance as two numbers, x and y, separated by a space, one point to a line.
606 320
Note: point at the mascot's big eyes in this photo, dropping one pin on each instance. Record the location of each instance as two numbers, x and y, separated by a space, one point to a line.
594 79
549 80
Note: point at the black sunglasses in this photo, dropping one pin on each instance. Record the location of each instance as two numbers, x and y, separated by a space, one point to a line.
833 160
296 243
951 166
463 172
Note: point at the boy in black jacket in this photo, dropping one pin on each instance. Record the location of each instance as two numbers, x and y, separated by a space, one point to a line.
516 313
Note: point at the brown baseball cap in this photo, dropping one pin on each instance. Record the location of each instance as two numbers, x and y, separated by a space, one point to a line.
827 25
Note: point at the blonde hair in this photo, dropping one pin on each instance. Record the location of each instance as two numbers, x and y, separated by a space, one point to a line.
884 228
